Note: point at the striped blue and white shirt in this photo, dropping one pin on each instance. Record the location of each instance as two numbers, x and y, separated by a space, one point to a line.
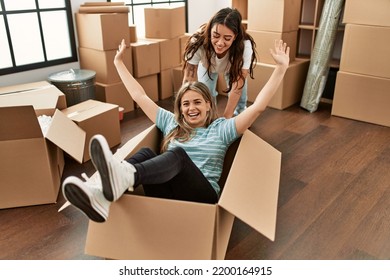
207 148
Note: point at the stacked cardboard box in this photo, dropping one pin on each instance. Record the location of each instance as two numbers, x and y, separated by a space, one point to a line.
362 90
166 27
100 29
270 20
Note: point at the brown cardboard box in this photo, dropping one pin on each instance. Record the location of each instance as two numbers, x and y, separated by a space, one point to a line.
102 31
169 52
146 58
42 95
166 83
102 62
366 50
183 42
291 89
367 12
242 7
165 22
142 227
274 15
266 40
177 76
133 33
150 85
30 166
361 97
115 94
95 117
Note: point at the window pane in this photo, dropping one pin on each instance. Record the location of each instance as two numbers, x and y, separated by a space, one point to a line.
47 4
141 1
11 5
5 55
25 38
139 19
56 35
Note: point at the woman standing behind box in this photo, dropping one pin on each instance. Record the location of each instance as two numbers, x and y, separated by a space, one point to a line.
193 149
222 46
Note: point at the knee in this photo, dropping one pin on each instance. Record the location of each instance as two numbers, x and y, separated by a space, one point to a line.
179 152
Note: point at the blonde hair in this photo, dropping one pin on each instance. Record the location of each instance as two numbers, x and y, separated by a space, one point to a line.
184 132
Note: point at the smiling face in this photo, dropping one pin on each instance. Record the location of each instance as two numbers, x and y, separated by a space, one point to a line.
221 38
194 108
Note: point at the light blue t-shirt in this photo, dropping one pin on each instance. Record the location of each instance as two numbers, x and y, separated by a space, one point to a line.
207 148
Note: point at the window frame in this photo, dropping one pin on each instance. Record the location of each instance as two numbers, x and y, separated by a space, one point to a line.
150 3
46 63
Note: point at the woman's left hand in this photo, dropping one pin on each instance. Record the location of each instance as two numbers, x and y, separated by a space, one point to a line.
281 53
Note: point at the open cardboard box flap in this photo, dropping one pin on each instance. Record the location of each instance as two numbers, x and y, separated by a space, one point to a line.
141 227
252 187
67 135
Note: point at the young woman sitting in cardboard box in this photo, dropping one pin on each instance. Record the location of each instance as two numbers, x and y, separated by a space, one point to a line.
193 149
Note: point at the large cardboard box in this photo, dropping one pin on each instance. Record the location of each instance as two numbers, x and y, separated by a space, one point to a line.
42 95
367 12
177 77
291 89
265 41
165 22
103 31
169 52
165 84
146 58
102 62
361 97
366 50
142 227
274 15
150 85
95 117
30 166
183 42
115 94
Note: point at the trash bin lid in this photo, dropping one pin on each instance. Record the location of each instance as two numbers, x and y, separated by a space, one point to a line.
72 75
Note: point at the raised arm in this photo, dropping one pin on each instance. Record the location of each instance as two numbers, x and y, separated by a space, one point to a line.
280 54
136 91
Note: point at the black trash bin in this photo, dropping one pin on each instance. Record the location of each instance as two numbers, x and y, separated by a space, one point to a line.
77 84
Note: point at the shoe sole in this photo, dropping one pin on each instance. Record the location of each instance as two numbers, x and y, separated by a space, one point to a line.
80 199
98 150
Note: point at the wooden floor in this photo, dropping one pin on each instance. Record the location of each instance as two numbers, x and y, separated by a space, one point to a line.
334 200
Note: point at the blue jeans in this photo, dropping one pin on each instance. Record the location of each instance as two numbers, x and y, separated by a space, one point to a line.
212 85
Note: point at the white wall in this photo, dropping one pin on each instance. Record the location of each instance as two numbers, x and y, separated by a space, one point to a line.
199 12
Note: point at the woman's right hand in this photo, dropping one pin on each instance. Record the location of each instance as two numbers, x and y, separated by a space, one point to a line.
120 51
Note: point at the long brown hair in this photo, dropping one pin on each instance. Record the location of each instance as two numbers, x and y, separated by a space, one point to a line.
183 132
231 18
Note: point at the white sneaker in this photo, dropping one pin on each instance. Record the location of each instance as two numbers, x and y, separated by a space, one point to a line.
117 176
88 197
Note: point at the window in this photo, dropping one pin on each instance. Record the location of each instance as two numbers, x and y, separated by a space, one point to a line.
136 15
35 34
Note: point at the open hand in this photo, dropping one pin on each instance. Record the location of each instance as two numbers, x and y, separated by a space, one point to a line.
120 51
281 53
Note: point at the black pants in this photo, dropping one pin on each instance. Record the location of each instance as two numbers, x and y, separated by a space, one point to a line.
171 175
